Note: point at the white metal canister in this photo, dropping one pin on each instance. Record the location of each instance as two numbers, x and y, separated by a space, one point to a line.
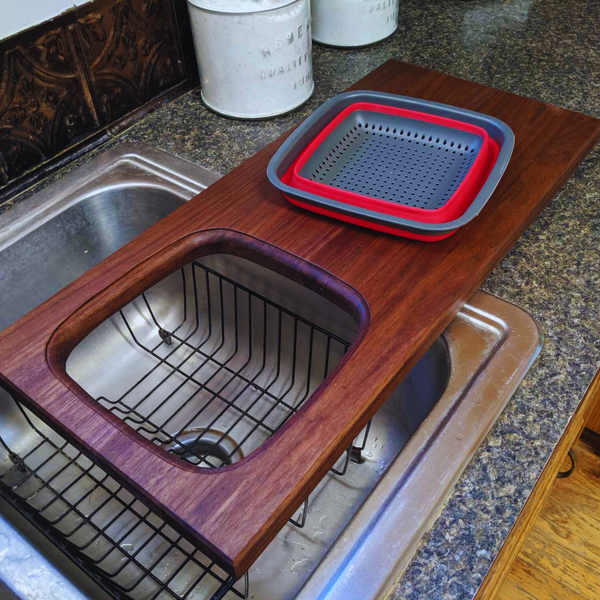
353 23
254 56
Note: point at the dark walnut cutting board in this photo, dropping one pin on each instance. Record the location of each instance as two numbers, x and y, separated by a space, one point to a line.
404 294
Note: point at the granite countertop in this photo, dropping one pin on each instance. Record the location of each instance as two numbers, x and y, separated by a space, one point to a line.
545 49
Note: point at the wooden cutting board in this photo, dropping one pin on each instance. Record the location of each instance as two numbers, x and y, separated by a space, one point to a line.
404 294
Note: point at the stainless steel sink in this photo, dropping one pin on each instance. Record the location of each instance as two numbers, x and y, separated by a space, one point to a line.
362 522
52 238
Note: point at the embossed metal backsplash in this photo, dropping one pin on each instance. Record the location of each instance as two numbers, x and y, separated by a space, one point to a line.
69 78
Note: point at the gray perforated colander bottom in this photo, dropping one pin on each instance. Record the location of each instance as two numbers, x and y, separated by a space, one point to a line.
393 158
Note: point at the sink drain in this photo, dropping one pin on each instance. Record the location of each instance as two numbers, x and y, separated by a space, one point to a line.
206 448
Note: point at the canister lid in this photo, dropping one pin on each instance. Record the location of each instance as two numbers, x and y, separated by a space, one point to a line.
240 6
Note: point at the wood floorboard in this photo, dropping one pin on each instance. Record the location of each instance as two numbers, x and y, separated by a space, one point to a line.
560 559
528 583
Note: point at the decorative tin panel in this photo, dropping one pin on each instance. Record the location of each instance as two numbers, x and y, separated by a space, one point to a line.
132 54
68 78
44 107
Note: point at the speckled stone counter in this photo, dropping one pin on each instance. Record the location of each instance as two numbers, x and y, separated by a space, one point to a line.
548 50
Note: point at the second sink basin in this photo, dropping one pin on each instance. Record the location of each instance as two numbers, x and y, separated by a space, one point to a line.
361 524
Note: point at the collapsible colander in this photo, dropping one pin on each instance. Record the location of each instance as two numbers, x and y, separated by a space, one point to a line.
400 165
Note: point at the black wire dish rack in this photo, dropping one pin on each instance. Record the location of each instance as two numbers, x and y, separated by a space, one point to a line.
206 368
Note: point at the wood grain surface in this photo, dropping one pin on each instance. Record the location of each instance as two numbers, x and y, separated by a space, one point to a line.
404 294
560 559
524 529
593 419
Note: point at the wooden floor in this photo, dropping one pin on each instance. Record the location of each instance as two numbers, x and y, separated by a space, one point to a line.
560 559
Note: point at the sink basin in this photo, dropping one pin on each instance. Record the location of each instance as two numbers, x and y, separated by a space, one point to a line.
359 527
66 229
